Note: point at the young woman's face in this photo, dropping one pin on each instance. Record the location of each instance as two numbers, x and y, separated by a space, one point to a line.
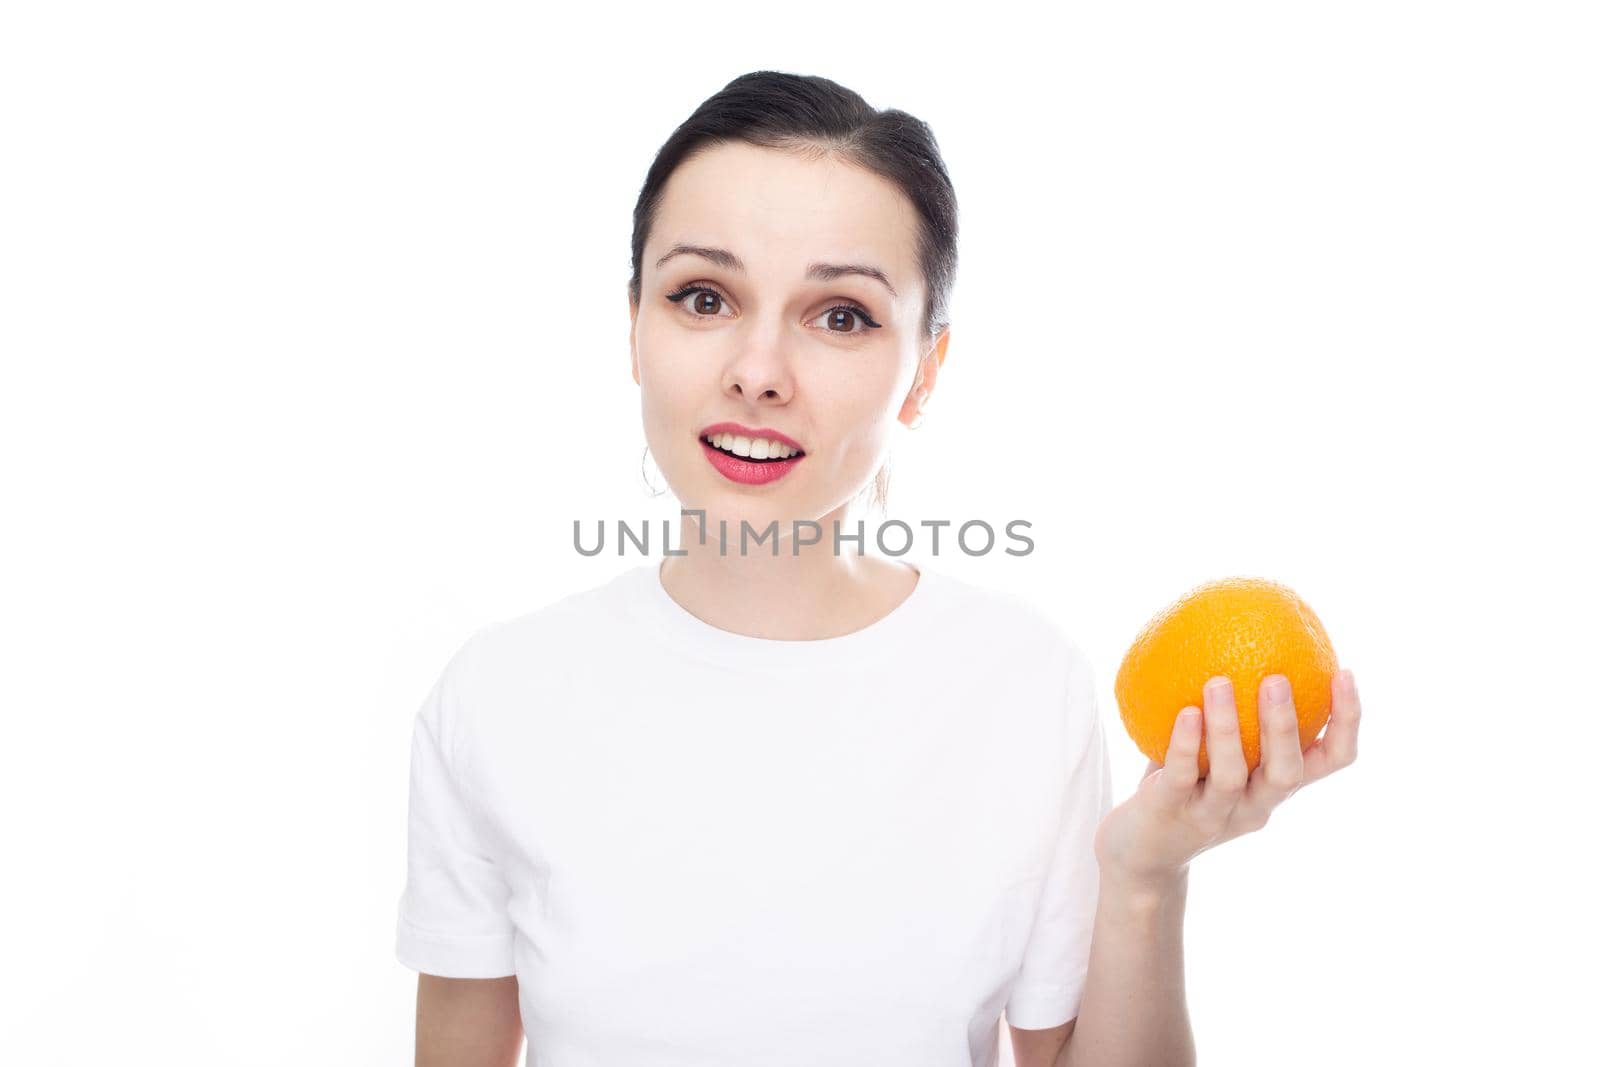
830 362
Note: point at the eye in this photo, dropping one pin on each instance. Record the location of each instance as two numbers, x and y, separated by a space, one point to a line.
706 300
845 314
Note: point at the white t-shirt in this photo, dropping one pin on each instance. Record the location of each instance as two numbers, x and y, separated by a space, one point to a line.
696 848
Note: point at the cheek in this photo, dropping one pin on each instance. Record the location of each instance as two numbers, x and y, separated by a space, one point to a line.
673 363
664 373
864 406
863 434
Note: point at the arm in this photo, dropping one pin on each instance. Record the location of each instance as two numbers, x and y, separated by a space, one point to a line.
468 1022
1133 1008
1039 1048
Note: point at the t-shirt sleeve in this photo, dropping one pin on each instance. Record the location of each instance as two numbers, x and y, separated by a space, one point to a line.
453 918
1055 964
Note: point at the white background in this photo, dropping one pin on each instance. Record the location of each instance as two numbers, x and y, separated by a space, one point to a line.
315 343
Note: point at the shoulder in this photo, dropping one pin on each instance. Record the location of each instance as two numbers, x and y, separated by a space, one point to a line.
564 631
1023 621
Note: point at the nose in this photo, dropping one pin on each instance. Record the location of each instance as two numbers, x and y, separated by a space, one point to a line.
769 393
760 373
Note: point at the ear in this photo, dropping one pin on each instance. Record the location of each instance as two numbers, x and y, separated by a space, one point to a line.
927 374
633 346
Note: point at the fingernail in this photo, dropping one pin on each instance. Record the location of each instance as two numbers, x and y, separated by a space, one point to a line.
1218 686
1277 689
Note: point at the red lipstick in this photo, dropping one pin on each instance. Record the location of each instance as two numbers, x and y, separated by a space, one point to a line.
741 469
744 431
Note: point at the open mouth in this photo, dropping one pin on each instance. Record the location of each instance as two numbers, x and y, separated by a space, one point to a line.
748 459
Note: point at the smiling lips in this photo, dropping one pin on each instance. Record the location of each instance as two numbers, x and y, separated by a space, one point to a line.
758 448
752 458
733 431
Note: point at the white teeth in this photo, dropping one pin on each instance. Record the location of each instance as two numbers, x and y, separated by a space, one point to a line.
759 448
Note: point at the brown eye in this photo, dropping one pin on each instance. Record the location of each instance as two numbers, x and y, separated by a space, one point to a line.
842 317
707 302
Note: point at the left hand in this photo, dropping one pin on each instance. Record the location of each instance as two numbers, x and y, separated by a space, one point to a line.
1175 815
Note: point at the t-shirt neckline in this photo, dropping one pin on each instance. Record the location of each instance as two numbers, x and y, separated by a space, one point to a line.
674 624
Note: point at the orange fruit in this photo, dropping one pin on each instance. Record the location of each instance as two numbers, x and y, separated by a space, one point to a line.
1244 628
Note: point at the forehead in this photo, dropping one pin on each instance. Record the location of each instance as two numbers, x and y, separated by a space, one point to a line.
780 210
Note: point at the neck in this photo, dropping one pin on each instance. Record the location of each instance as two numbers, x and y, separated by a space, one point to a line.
801 592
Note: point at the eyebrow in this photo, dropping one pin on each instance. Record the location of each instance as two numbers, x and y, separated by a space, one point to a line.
824 272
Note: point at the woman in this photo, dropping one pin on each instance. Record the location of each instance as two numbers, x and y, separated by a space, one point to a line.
789 803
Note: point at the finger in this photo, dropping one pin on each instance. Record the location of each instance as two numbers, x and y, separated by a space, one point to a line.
1337 747
1226 772
1282 767
1180 774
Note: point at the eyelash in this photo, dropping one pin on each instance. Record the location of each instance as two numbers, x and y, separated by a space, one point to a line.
855 309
